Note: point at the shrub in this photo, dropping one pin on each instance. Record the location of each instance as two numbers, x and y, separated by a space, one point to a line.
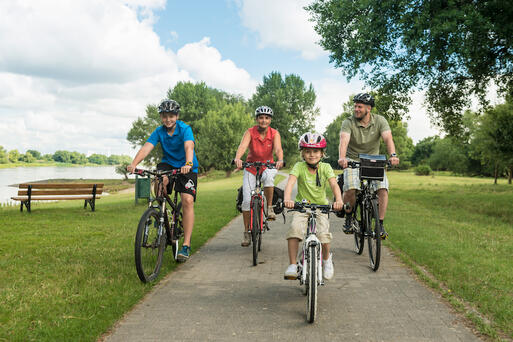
423 170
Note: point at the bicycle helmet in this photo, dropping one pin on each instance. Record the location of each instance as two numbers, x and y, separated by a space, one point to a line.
364 98
311 140
169 106
263 110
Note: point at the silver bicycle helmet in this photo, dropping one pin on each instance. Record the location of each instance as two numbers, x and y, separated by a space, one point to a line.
263 110
169 106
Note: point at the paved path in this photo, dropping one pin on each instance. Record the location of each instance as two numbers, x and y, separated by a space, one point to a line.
218 296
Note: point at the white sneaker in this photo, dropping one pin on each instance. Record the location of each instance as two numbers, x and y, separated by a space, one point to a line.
246 240
327 268
291 272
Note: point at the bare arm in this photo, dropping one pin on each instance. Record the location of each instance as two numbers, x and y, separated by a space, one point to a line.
337 205
389 143
188 146
288 191
278 150
143 153
243 146
342 149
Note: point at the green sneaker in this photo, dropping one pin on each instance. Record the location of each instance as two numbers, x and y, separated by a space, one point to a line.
184 253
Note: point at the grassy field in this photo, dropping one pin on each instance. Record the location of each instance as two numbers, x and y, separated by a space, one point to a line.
68 274
460 230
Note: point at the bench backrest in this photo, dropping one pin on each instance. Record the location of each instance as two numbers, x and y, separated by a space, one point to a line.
59 189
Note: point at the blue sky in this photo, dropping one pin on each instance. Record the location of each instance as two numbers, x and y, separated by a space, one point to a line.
74 75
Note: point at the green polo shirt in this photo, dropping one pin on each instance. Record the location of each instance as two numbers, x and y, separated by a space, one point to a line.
364 139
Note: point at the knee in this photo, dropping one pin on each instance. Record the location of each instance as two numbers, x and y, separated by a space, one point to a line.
187 202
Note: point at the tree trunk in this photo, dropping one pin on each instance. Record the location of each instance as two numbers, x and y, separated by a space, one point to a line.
510 172
496 172
228 173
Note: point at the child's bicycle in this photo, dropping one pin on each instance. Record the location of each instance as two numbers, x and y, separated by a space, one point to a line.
258 216
309 258
158 227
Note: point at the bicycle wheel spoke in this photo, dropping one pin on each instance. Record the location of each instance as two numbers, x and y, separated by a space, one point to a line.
311 303
374 240
149 246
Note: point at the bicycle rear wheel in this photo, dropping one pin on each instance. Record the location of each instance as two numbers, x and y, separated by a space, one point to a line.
255 230
149 246
374 240
311 302
177 217
359 224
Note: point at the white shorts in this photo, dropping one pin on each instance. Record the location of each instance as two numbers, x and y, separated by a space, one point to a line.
249 183
352 180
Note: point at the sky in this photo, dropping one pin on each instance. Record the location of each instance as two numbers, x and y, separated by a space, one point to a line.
75 75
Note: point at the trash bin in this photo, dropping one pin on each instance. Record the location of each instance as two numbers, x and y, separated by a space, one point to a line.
142 188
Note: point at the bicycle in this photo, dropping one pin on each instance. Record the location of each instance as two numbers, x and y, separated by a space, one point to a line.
258 216
309 258
155 229
365 214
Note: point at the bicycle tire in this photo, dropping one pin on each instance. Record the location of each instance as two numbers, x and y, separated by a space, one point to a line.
374 239
178 230
255 229
149 247
359 238
312 276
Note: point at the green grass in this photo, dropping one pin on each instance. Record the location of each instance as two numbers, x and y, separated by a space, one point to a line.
68 274
460 230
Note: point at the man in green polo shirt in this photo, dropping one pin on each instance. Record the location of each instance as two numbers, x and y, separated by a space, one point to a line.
360 134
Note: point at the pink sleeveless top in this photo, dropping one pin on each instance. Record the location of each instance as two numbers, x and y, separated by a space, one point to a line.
260 149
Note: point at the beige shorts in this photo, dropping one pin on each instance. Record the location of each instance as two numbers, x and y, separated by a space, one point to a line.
300 221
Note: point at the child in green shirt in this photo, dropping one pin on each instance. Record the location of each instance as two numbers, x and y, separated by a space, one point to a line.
312 178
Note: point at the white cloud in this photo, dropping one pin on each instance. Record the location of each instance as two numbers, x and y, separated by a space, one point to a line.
282 24
204 62
74 75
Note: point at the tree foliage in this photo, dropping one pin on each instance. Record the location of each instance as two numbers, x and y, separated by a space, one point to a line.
423 150
451 49
3 156
332 134
293 104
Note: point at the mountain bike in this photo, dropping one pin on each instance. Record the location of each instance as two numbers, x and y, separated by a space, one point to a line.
258 216
309 258
365 213
158 226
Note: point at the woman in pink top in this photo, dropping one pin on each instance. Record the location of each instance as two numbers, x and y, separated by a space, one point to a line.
262 141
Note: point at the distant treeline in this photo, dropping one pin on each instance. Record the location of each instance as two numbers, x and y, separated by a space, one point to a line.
61 156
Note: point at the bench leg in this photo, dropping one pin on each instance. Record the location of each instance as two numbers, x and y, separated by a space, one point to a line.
91 204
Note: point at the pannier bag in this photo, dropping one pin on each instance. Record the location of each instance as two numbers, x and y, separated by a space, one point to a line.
372 167
277 200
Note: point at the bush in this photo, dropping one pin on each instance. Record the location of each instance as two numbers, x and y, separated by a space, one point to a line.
423 170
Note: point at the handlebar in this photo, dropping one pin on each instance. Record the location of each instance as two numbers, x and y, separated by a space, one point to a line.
301 207
157 173
267 164
355 164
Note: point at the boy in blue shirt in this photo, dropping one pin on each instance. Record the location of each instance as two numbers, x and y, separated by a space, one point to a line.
177 143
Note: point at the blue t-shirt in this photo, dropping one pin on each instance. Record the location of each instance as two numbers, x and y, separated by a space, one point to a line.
173 146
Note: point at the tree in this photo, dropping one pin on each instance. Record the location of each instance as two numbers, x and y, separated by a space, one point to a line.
13 156
121 169
449 154
3 156
332 134
62 156
452 49
27 158
34 153
293 104
423 150
77 158
221 132
195 99
96 158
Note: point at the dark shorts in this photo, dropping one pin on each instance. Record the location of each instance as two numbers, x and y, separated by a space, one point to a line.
187 183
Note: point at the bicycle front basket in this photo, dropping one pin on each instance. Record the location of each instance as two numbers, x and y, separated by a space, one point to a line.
372 166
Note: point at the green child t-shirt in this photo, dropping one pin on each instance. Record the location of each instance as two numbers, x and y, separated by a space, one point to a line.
306 182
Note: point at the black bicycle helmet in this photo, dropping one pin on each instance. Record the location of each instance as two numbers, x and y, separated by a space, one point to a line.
364 98
169 106
264 110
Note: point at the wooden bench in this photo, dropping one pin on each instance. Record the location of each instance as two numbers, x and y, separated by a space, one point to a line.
58 192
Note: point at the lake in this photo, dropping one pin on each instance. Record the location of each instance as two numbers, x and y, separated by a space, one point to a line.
19 175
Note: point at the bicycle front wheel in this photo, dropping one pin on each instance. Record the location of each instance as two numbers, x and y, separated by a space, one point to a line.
359 225
374 240
255 230
149 245
313 269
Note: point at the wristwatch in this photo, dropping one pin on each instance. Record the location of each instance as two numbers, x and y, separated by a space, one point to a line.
189 163
393 155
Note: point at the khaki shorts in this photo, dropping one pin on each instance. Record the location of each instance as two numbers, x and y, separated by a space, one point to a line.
352 180
299 224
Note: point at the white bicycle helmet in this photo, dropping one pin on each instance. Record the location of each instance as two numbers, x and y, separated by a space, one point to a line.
263 110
